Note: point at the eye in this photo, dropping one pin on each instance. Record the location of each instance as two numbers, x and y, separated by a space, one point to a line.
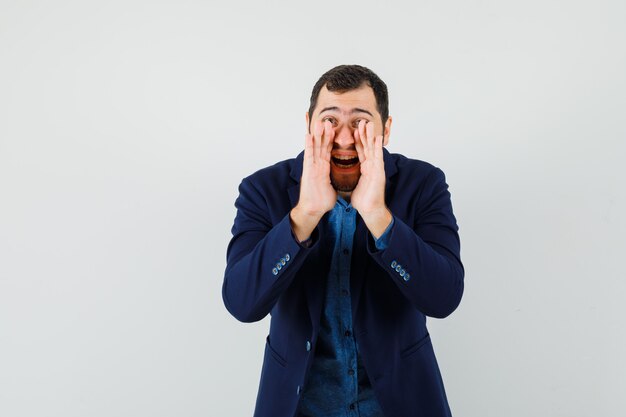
330 119
355 123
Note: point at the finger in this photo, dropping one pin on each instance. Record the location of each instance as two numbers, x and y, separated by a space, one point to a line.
378 147
363 135
327 147
358 144
329 135
370 139
318 132
308 147
369 132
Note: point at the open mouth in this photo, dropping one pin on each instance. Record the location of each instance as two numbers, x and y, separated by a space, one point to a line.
344 162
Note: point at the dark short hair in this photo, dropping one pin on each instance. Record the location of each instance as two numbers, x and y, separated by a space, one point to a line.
350 77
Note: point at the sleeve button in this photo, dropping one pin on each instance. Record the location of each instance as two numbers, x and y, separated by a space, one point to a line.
275 271
393 264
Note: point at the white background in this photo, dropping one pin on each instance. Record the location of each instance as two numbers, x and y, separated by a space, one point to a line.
126 127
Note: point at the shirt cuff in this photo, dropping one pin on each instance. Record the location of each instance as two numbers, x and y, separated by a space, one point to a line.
307 243
383 241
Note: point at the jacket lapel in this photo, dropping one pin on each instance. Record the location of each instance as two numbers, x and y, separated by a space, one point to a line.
296 175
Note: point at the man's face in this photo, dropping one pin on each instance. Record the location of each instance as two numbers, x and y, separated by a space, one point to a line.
344 111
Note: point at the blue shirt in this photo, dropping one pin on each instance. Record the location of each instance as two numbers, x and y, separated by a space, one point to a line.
337 384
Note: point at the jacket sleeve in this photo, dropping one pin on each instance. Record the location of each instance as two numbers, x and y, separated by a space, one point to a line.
424 259
262 258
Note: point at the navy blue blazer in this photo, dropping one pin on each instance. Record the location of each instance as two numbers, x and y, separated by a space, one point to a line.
393 290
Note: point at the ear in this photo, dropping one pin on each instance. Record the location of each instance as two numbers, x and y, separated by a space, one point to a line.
387 130
308 126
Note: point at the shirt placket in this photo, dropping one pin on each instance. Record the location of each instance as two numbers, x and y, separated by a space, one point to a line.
346 238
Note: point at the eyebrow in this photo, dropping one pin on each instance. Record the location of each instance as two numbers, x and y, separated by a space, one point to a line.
355 110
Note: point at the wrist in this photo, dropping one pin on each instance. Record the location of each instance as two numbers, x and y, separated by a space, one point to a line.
377 220
303 223
304 216
375 213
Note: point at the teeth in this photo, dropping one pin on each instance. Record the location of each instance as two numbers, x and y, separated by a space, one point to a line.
345 162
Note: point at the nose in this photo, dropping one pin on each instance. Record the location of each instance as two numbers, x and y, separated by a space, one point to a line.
344 137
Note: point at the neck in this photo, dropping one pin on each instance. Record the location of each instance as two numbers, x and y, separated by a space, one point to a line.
345 195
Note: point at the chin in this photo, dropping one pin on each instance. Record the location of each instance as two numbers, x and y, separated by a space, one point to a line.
344 184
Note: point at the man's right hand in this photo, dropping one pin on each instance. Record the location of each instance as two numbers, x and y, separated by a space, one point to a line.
317 195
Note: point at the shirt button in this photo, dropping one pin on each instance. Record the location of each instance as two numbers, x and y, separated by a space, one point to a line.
350 372
351 406
308 346
346 251
348 209
344 292
348 333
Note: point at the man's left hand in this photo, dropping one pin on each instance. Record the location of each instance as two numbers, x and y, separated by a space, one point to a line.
368 198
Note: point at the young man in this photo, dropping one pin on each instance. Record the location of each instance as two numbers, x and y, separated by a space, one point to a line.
349 248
